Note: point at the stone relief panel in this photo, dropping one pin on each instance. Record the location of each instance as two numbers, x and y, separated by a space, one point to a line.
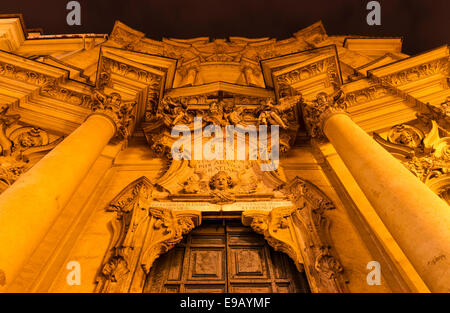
221 109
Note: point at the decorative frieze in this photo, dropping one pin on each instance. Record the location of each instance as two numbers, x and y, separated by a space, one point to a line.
418 72
55 91
367 94
25 75
327 65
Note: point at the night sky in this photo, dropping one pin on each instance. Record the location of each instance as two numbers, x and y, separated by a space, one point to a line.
424 24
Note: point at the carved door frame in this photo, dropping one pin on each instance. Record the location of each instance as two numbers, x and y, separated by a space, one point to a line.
141 234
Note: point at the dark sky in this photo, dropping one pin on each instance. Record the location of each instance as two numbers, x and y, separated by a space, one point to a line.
424 24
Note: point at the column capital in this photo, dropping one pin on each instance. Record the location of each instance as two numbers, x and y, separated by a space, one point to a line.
318 111
120 112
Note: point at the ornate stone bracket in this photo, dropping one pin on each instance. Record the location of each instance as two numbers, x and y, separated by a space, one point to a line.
277 228
140 235
17 145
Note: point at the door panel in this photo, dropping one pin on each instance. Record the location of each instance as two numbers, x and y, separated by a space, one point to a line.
224 257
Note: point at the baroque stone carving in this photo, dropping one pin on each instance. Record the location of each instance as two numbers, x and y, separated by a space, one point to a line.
222 112
323 66
25 75
277 230
140 235
17 145
367 94
216 181
326 273
55 91
316 112
122 113
424 149
418 72
301 231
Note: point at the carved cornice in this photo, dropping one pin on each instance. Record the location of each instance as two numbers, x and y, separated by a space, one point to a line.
55 91
417 72
140 235
316 112
25 75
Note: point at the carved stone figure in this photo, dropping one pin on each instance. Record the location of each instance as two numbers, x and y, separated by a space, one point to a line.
18 145
318 110
121 112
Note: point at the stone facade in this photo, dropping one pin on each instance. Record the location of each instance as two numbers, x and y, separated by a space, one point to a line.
87 173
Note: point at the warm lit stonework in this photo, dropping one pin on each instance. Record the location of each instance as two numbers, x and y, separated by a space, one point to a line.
87 174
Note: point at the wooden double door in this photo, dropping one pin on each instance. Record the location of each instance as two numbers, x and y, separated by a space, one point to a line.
224 256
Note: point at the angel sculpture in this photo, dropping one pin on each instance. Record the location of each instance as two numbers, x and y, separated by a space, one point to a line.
176 110
270 114
232 113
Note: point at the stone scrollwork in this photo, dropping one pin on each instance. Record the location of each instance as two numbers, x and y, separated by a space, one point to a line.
140 235
317 111
121 112
326 273
277 230
17 145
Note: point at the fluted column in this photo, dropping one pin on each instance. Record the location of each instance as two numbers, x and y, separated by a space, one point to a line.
31 204
416 217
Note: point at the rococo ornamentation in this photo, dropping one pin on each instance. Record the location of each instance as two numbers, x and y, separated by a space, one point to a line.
17 145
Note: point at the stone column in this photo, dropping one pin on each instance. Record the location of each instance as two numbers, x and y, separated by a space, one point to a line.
31 204
416 217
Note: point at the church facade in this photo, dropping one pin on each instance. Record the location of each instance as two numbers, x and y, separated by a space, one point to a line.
318 163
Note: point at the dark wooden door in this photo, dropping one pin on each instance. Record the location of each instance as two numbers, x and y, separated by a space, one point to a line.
224 257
